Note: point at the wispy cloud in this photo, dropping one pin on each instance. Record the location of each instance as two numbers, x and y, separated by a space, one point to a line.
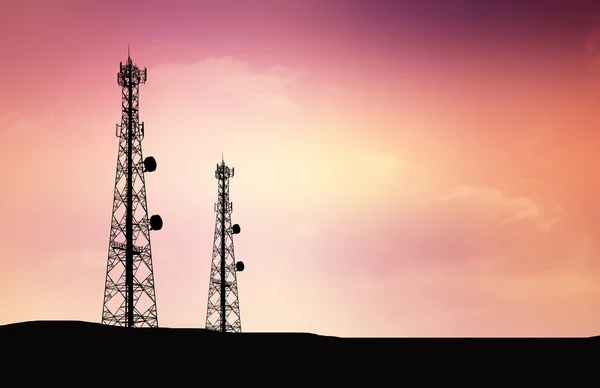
509 209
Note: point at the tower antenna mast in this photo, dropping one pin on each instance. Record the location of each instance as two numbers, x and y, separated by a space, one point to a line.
223 309
129 295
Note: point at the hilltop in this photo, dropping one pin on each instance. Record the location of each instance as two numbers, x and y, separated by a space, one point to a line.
88 345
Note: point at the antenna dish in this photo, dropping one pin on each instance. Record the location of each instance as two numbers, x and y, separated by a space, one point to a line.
156 222
150 164
239 266
236 229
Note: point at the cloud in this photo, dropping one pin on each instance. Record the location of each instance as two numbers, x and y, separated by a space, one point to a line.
510 209
475 298
223 84
468 227
274 102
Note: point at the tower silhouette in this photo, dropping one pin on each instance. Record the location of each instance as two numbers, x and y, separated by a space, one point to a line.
129 295
223 310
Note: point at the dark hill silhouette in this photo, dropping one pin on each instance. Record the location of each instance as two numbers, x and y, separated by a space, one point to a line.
89 348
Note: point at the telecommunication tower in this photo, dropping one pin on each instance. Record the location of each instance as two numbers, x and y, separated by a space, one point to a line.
129 295
223 311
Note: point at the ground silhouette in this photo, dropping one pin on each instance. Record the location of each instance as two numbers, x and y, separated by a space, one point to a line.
74 348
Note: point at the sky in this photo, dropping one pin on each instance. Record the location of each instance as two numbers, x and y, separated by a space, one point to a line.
403 168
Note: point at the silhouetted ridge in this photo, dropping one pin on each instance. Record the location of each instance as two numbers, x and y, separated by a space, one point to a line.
70 349
97 330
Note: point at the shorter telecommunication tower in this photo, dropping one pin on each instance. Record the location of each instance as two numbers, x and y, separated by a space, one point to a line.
223 311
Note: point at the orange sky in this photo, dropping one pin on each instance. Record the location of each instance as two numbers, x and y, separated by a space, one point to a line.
401 170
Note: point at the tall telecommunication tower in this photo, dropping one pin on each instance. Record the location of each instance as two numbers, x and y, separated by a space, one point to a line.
223 311
129 296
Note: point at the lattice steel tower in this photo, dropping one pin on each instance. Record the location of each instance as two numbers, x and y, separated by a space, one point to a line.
223 311
129 296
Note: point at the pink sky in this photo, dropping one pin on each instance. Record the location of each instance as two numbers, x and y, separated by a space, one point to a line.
407 170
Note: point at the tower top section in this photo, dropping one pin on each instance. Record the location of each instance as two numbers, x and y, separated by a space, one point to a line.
129 74
223 171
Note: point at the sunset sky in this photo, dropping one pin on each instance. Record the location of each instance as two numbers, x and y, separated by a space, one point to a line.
403 168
